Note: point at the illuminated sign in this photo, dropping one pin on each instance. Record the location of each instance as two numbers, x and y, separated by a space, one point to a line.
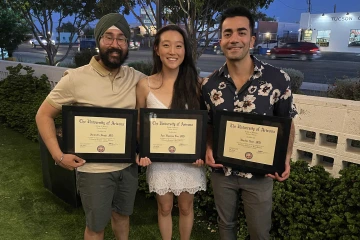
308 35
345 19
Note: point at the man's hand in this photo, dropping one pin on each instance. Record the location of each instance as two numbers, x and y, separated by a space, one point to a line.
285 175
209 159
143 162
70 161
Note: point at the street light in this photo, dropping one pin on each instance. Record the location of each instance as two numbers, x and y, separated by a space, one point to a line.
267 38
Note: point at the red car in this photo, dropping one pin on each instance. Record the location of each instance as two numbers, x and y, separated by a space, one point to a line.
300 50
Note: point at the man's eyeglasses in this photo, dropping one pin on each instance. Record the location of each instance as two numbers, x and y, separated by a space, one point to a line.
108 40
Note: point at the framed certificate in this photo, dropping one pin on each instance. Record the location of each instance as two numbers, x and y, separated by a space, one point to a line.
103 135
250 142
173 135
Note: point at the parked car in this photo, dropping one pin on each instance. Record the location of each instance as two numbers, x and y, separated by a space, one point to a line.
134 45
301 50
201 42
213 41
354 44
217 48
88 44
6 55
34 42
269 44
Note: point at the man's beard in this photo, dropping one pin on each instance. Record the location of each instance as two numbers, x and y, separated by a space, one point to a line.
105 58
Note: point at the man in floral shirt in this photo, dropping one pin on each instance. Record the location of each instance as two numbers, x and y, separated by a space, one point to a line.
245 84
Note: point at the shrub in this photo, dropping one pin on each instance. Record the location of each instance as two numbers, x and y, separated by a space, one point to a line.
20 97
82 58
204 204
309 205
346 88
345 206
301 203
297 78
144 67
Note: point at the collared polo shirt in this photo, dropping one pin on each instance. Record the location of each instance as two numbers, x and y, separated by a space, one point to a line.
93 85
267 92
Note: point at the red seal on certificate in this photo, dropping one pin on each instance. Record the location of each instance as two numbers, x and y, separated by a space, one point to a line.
100 148
248 155
172 149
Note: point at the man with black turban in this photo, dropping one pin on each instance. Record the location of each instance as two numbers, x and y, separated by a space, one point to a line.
107 190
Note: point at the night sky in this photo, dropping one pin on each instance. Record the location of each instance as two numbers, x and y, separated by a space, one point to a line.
290 10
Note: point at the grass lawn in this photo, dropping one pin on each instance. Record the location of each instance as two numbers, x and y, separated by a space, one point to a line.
29 211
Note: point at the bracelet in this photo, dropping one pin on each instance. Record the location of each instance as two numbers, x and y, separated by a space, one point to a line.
61 158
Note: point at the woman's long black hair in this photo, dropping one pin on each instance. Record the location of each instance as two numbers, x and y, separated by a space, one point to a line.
186 86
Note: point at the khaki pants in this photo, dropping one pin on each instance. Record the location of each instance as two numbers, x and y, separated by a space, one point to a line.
256 194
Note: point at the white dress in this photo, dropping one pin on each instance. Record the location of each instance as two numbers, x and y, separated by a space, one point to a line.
164 177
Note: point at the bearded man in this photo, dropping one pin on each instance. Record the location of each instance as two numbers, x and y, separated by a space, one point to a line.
107 190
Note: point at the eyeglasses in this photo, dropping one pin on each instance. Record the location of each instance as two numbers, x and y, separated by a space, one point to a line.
108 40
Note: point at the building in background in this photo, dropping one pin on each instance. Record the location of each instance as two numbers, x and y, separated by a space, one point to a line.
335 32
265 31
147 17
288 32
271 34
64 37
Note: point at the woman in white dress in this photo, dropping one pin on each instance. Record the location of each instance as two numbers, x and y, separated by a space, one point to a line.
174 84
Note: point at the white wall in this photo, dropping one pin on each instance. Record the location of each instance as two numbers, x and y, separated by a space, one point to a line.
53 73
340 25
327 116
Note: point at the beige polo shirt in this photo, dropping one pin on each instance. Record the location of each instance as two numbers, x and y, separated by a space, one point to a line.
93 85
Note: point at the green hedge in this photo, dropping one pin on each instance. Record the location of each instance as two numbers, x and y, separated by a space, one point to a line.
346 88
296 78
309 205
21 94
82 58
144 67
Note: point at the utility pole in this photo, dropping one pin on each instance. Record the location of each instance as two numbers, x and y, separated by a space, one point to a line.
335 8
158 15
309 5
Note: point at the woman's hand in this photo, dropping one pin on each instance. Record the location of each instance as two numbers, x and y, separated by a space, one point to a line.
199 162
143 162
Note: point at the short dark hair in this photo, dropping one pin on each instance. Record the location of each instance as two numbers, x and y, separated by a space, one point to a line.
238 12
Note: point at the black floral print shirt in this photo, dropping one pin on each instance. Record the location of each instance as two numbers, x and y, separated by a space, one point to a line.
267 92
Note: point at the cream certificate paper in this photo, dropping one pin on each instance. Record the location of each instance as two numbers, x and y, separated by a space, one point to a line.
100 135
250 142
176 136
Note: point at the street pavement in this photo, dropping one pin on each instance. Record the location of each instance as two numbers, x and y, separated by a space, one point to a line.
318 73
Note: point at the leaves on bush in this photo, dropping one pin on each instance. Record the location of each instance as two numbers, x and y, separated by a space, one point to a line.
346 88
144 67
20 97
296 78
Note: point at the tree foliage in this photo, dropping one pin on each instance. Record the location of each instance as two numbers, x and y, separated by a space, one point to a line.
66 27
13 30
198 16
260 16
45 16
